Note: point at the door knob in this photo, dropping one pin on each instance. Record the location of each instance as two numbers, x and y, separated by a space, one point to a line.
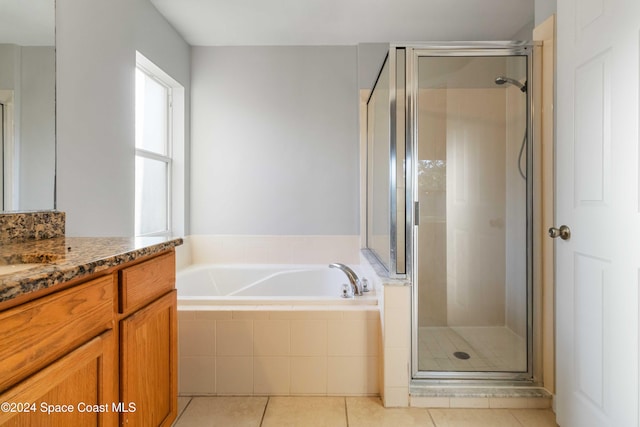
563 232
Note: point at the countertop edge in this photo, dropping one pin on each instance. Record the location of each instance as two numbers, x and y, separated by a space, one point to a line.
50 275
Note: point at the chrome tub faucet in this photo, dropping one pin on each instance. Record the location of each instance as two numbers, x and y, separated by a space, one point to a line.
356 285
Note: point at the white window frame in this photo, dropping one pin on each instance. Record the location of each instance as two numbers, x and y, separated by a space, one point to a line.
174 157
10 167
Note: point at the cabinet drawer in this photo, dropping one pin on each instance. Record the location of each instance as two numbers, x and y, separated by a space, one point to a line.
144 282
39 332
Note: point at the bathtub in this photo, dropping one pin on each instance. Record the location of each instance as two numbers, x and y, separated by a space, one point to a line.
201 285
275 330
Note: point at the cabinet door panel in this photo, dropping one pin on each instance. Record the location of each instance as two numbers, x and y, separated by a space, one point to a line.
36 333
148 363
77 390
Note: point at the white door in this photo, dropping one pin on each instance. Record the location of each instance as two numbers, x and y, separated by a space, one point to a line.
598 268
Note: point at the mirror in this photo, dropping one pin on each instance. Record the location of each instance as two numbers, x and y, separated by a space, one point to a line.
27 105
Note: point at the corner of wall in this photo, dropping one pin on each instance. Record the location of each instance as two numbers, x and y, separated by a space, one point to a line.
184 257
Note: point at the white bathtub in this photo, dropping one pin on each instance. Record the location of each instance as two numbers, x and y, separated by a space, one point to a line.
212 284
275 330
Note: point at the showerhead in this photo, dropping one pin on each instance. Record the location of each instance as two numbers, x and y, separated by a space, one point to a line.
500 80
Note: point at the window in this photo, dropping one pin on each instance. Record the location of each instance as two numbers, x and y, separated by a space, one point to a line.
153 155
160 185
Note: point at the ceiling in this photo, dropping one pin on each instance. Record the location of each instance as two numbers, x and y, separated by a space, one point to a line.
343 22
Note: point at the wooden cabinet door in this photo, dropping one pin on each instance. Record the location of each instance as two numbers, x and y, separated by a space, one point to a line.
76 390
148 364
35 334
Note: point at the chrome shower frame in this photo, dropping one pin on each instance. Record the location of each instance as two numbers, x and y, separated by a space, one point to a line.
413 51
396 57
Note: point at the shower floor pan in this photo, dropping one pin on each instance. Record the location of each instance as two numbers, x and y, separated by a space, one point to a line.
471 349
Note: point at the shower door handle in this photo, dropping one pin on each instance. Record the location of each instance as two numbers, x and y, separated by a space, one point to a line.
563 232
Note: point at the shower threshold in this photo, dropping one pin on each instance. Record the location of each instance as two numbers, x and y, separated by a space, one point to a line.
496 394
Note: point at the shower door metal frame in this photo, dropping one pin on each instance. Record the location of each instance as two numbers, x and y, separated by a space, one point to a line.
461 49
392 269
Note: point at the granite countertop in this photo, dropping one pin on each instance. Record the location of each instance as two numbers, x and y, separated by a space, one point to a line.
61 259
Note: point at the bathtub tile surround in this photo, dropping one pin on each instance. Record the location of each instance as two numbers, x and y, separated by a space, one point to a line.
233 376
396 312
16 227
248 249
394 300
308 375
343 411
183 254
279 351
288 334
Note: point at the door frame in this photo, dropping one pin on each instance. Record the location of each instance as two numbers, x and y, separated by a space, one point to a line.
545 34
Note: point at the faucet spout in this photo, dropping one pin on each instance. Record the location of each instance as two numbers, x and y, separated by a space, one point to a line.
351 275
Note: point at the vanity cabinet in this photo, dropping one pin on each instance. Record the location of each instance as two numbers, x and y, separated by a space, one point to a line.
76 390
148 342
103 352
57 358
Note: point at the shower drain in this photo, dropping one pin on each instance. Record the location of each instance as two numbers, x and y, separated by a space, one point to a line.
462 355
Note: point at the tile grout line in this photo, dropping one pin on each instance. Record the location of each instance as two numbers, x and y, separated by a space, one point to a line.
346 411
183 411
264 411
516 418
431 418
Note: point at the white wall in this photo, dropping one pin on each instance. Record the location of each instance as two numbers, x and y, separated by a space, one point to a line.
543 10
95 53
275 140
524 33
9 65
37 135
370 59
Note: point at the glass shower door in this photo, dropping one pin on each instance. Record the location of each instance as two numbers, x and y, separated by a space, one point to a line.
470 241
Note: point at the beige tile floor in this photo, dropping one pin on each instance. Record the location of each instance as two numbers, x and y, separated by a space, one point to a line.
343 412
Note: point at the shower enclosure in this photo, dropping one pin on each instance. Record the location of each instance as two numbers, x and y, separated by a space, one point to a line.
450 191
